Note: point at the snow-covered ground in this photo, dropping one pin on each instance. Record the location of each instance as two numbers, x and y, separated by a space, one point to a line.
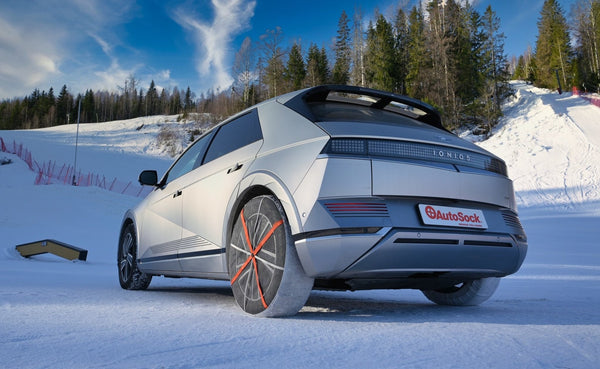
60 314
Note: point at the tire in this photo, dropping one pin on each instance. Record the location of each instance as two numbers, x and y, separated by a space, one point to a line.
266 276
130 276
466 294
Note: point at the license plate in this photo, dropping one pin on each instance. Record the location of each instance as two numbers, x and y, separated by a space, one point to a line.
452 217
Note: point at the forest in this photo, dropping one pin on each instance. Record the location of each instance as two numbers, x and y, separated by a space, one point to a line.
445 53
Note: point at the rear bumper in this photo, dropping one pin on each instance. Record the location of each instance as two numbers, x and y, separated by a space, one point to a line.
406 253
392 248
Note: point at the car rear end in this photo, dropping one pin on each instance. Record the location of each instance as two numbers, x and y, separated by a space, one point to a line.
395 201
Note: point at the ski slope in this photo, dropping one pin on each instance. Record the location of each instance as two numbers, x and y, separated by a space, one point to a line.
551 144
60 314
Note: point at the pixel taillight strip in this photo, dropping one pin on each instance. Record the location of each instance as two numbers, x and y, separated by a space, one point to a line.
253 253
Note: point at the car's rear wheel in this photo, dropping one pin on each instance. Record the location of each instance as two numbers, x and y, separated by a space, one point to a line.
130 277
266 275
465 294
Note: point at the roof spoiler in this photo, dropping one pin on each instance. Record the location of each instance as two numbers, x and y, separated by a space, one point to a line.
380 100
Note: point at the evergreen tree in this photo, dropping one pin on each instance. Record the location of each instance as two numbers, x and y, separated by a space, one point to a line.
317 71
495 61
553 50
63 106
151 102
175 102
323 67
88 108
519 72
402 50
381 56
188 101
341 68
163 102
464 28
295 72
417 55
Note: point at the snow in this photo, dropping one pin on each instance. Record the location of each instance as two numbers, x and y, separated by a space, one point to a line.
56 313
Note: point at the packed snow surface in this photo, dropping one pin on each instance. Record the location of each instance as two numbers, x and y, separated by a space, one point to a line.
60 314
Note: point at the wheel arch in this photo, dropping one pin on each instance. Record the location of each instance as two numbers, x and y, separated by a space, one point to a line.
129 218
257 184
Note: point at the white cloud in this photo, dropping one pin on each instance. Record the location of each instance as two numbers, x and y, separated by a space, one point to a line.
213 39
42 43
27 57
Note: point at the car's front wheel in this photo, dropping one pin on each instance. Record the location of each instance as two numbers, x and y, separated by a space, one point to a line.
130 277
464 294
266 275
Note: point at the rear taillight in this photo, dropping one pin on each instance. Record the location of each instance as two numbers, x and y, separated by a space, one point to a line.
414 151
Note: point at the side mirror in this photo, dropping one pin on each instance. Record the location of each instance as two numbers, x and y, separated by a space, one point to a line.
148 178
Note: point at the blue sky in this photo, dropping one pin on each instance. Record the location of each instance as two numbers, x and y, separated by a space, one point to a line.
98 44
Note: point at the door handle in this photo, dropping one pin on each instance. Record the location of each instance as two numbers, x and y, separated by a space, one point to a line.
236 167
177 194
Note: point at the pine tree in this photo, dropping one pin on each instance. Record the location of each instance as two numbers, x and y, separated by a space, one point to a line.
151 103
188 101
519 71
88 109
553 50
317 66
464 28
341 68
63 106
295 72
496 69
175 102
417 56
402 50
381 66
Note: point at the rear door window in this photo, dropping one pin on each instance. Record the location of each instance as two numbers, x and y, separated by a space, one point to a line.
237 133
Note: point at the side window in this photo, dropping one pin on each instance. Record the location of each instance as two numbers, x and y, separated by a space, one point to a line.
238 133
190 159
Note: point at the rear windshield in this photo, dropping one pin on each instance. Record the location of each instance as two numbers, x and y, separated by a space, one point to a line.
342 112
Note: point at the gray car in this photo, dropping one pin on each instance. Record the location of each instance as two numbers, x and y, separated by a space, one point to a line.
331 187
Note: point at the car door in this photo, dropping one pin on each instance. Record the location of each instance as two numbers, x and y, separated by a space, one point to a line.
205 199
160 237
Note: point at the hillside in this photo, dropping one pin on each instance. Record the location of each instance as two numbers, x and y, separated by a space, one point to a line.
551 144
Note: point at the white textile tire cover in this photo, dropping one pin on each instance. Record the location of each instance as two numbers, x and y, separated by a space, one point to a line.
467 294
266 276
130 276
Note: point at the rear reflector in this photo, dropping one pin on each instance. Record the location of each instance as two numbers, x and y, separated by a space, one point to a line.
357 209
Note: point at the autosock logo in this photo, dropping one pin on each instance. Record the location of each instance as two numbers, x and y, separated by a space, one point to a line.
454 217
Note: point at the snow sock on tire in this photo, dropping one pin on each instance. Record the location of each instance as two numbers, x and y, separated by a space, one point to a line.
266 276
